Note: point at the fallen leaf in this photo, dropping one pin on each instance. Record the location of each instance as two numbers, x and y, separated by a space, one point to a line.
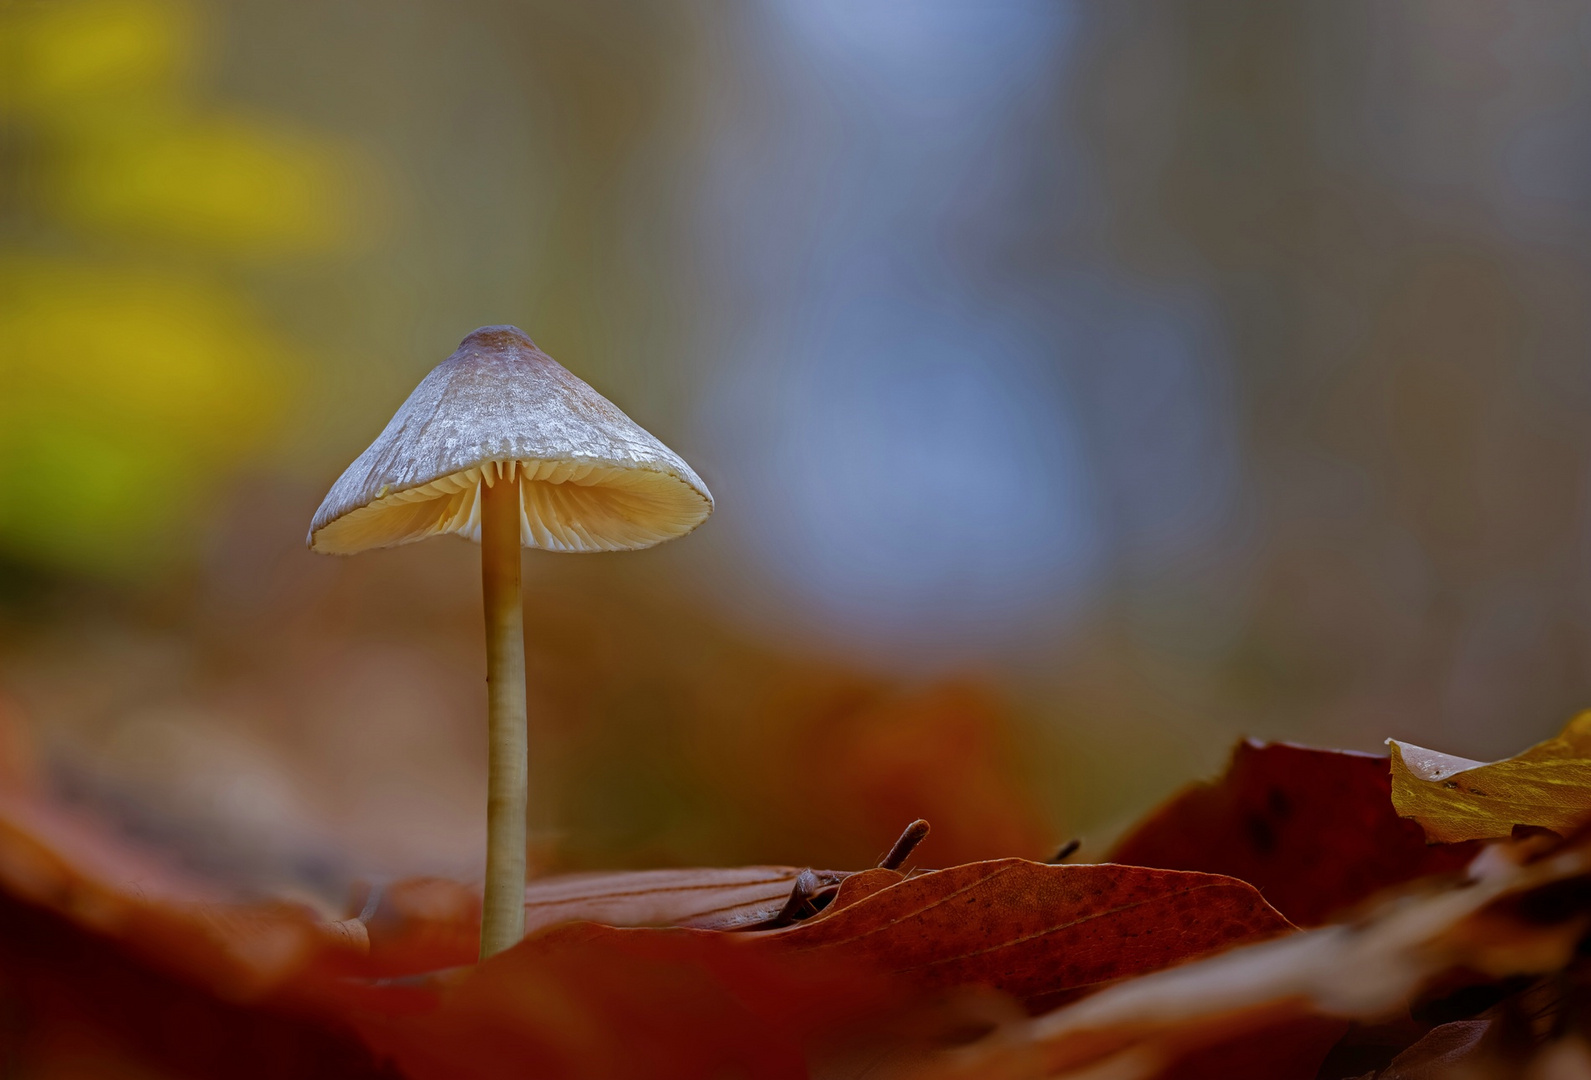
1453 798
1509 919
103 975
60 862
1521 1035
1035 931
589 1001
724 898
861 885
1442 1050
1313 830
424 924
78 1002
135 971
578 1001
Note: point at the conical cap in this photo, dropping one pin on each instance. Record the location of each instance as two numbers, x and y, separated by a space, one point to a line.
499 410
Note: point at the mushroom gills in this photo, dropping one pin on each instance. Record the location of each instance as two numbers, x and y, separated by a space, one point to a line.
563 506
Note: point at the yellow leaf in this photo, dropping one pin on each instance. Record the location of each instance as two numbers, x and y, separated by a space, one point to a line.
1456 799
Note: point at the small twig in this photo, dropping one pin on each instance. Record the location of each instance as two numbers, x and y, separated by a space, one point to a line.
1067 850
914 834
806 883
811 893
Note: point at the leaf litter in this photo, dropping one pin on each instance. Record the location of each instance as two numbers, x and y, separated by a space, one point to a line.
1180 958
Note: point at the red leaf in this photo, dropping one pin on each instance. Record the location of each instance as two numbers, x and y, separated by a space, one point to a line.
180 986
591 1001
1313 830
77 1003
1035 931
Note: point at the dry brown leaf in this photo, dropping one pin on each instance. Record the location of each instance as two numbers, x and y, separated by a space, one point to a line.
591 1002
83 1004
1453 798
1439 1053
1032 930
715 898
1509 919
424 924
109 967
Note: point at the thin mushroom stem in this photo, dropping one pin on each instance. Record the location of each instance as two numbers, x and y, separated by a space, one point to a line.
503 913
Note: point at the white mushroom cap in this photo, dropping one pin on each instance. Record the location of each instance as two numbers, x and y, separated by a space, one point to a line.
501 410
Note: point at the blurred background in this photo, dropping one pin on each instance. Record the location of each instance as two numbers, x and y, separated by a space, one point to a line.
1083 386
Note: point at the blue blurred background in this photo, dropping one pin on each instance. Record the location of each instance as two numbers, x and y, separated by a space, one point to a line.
1082 386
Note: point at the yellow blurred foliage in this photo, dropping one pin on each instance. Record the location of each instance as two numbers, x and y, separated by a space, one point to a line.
134 383
59 56
125 394
253 189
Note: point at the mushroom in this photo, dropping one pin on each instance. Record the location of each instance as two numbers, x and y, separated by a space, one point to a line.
501 444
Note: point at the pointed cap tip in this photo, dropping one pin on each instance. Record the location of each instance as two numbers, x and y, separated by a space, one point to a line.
498 337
